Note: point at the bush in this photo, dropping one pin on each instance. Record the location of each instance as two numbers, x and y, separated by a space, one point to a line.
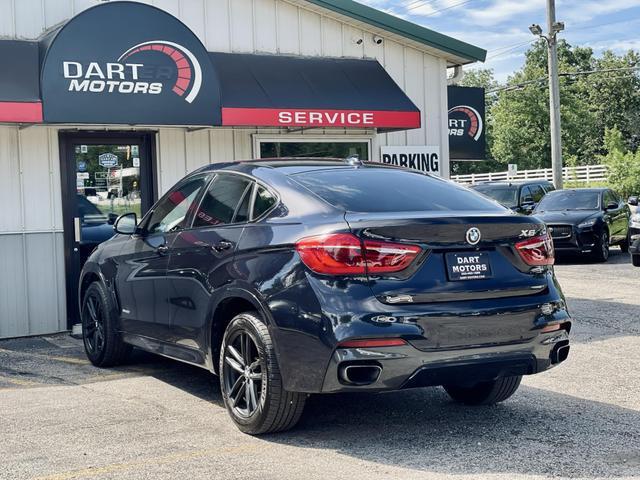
624 166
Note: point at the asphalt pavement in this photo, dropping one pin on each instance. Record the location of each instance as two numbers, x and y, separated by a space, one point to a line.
61 418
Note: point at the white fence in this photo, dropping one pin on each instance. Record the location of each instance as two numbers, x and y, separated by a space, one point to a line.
586 173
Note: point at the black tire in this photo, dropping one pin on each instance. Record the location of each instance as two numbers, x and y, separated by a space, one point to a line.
260 404
635 260
624 245
485 393
601 247
102 342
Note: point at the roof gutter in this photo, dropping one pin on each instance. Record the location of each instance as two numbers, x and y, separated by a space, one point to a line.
404 28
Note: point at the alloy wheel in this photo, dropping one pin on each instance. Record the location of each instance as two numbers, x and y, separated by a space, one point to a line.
243 374
93 325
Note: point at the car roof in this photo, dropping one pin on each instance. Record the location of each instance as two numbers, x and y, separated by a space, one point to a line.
514 183
594 189
295 165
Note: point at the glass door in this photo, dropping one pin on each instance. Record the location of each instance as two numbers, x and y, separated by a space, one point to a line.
108 184
104 176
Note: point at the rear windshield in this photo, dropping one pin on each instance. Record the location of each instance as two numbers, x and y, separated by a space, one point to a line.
374 190
505 195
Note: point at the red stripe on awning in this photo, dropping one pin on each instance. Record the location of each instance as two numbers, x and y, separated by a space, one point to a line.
21 112
296 117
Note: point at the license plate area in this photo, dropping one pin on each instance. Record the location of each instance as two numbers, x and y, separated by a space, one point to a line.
468 266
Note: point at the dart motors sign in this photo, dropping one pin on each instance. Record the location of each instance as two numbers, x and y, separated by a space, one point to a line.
184 76
128 63
466 123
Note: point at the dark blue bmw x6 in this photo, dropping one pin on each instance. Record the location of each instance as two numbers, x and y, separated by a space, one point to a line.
289 277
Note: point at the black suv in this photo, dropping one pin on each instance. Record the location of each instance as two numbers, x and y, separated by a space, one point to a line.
586 220
521 196
290 277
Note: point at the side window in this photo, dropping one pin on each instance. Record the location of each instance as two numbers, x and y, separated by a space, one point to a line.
170 214
263 202
224 197
525 195
609 197
536 192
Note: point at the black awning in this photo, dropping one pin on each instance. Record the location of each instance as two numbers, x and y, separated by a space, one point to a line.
20 82
270 90
148 68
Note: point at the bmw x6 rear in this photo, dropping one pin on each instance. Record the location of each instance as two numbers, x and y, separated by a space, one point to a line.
352 277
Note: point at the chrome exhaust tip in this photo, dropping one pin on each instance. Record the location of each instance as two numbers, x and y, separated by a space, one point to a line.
560 352
359 374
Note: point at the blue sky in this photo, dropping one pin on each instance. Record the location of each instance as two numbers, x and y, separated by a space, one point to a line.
501 26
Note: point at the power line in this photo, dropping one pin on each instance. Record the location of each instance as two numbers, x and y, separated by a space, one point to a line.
521 85
509 49
417 3
427 2
455 5
587 27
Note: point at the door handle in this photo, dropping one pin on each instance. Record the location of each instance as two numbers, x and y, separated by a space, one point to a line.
221 246
162 249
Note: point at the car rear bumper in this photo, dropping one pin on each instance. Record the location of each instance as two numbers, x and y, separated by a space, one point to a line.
408 367
497 336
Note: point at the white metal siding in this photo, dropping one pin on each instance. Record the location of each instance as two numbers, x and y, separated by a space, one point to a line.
32 285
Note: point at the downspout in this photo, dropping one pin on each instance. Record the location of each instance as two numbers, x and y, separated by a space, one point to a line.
457 76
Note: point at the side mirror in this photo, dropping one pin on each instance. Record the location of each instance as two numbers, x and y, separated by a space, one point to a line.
126 224
611 206
633 201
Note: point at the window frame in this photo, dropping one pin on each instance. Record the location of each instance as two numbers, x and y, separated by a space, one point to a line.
522 198
259 139
253 184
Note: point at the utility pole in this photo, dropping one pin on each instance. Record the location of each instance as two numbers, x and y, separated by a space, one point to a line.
553 28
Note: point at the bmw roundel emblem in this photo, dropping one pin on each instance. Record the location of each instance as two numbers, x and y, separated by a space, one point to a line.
473 236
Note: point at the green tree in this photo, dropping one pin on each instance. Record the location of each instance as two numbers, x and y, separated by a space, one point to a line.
521 112
624 165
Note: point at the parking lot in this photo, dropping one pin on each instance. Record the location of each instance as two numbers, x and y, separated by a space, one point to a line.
61 418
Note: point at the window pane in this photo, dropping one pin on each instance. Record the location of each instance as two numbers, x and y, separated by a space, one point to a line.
314 149
242 215
525 195
264 201
537 193
170 214
220 202
390 190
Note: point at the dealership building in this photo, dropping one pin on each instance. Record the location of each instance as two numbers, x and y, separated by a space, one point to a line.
104 105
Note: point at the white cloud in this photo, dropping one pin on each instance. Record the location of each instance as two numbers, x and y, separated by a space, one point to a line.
584 11
501 11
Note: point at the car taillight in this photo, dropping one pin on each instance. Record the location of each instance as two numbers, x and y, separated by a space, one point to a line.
346 254
537 250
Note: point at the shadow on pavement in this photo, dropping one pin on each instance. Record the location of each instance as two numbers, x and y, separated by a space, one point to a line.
538 432
616 257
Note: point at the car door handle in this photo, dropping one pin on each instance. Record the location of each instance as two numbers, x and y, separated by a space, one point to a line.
162 249
221 246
